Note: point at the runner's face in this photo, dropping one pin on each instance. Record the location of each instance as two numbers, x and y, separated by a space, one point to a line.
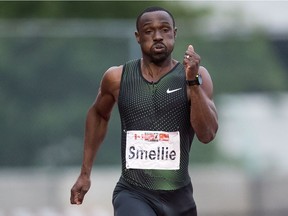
156 35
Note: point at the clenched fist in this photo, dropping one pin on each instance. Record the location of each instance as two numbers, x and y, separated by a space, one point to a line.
79 189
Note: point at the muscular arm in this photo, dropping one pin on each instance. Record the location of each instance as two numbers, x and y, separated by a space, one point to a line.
203 116
95 129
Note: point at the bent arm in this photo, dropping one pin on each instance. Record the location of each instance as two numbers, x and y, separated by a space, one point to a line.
203 114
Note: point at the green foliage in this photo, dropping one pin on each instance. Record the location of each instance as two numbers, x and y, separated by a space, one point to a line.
88 9
239 65
48 83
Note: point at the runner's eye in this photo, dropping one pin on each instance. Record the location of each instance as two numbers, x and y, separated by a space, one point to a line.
148 31
165 30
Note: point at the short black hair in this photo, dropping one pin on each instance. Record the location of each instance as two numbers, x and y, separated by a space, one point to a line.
152 9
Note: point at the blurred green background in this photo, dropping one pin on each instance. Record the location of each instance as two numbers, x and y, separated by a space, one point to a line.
53 55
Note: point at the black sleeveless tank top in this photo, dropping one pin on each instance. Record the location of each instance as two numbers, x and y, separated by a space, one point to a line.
160 106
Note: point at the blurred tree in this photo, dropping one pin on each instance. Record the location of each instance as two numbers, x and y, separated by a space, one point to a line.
47 83
90 9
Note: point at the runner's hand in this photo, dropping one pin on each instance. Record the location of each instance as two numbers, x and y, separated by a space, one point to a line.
191 62
79 189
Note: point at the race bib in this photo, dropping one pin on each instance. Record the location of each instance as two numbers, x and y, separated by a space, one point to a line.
153 150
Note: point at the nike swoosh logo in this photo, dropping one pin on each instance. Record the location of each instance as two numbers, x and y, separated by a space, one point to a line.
174 90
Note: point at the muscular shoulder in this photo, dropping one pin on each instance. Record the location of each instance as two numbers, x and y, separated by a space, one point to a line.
111 81
113 73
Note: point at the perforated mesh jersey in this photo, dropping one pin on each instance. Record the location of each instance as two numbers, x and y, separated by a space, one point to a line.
155 107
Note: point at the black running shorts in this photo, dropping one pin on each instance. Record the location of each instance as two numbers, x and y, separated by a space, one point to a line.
130 200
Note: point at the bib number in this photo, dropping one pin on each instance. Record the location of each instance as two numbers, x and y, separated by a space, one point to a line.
153 150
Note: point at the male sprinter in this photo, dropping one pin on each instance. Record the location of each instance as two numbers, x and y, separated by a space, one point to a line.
162 103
